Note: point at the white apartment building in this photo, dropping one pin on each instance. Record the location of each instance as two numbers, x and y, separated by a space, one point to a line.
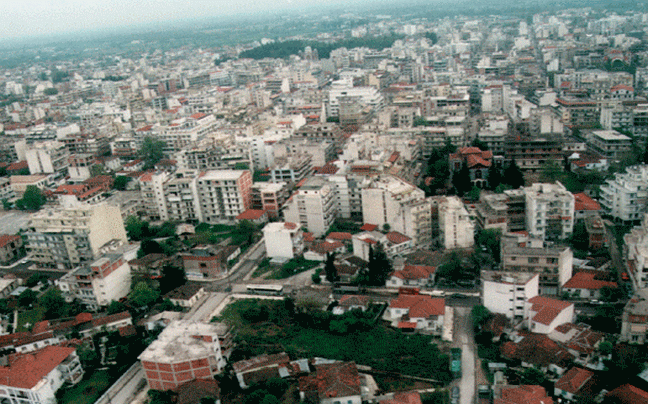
624 197
292 168
181 197
64 238
403 206
636 250
262 151
549 211
283 240
312 206
507 292
368 96
47 158
185 131
223 195
97 284
152 194
456 229
35 378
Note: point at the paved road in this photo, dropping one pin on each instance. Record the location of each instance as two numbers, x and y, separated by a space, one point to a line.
124 389
464 339
244 269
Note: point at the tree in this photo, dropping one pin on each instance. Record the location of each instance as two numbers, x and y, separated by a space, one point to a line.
6 205
136 228
330 270
27 297
579 238
33 199
54 303
172 277
533 376
88 357
151 152
480 314
461 180
494 176
386 227
143 295
50 91
97 169
551 171
513 176
474 193
605 348
479 144
379 267
490 239
121 182
644 157
116 307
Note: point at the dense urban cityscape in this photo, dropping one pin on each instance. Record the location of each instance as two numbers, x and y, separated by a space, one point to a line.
435 203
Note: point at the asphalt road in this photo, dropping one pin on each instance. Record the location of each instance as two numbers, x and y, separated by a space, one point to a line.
248 264
464 339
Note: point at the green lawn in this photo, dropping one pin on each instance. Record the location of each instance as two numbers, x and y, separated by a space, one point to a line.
293 267
27 319
88 390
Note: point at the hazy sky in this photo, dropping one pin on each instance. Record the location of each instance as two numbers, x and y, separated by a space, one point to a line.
19 18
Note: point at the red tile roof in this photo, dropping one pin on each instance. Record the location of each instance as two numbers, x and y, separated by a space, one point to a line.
262 361
368 227
326 247
397 238
420 306
584 202
290 226
538 350
337 380
17 166
629 394
329 168
251 214
26 371
622 87
574 380
7 238
547 309
408 325
337 235
308 237
199 115
413 272
353 300
585 280
525 394
405 397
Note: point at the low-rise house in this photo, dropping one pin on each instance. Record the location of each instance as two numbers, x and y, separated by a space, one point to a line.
209 262
577 382
396 243
256 216
525 394
584 206
628 394
351 302
585 285
332 383
319 251
579 340
634 323
539 351
545 314
8 284
412 275
417 312
402 397
11 247
186 295
195 391
261 368
364 242
35 378
342 237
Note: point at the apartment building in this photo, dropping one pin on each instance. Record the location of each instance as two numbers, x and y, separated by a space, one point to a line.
11 247
319 132
291 168
636 251
283 240
549 211
213 154
181 197
609 144
531 153
390 200
625 196
634 321
553 264
505 211
186 351
186 131
97 284
152 193
34 378
49 157
64 238
506 292
312 206
269 197
6 191
223 194
456 229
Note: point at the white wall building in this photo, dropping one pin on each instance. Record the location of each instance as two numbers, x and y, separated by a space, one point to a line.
456 229
507 292
544 314
223 195
47 158
624 197
283 240
549 211
312 206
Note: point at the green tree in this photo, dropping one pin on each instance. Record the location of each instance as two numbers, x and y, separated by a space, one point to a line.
54 303
151 152
533 376
27 298
143 295
149 246
50 91
480 314
579 238
479 144
136 228
116 307
6 205
605 348
386 227
644 156
513 176
330 270
490 239
172 277
461 180
452 269
379 267
121 182
33 199
97 169
474 193
551 171
494 176
88 357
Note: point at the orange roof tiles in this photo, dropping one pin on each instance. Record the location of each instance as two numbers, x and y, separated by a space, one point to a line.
525 394
404 397
26 371
337 235
586 280
251 214
397 238
368 227
547 309
420 306
584 202
353 300
574 380
415 272
199 115
7 238
629 394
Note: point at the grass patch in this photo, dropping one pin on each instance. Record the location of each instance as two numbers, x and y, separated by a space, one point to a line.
88 390
27 319
264 267
295 266
270 326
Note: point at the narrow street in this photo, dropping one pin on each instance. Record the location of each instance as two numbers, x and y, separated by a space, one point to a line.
471 371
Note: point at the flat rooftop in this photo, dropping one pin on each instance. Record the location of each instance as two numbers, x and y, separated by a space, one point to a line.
612 135
516 278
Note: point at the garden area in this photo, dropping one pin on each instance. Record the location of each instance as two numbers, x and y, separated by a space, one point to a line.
294 266
88 390
304 331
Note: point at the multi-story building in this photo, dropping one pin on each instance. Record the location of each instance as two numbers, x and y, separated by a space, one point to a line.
456 229
609 144
66 237
97 284
47 158
34 378
390 200
223 194
11 247
636 251
624 197
211 154
283 240
6 191
506 211
578 113
366 96
549 211
269 197
312 206
318 132
634 321
186 351
152 193
532 153
506 292
553 264
208 262
181 197
292 168
185 131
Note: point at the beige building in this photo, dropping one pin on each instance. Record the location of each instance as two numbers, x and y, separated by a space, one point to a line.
47 158
223 195
65 237
549 211
312 206
19 183
456 229
634 325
